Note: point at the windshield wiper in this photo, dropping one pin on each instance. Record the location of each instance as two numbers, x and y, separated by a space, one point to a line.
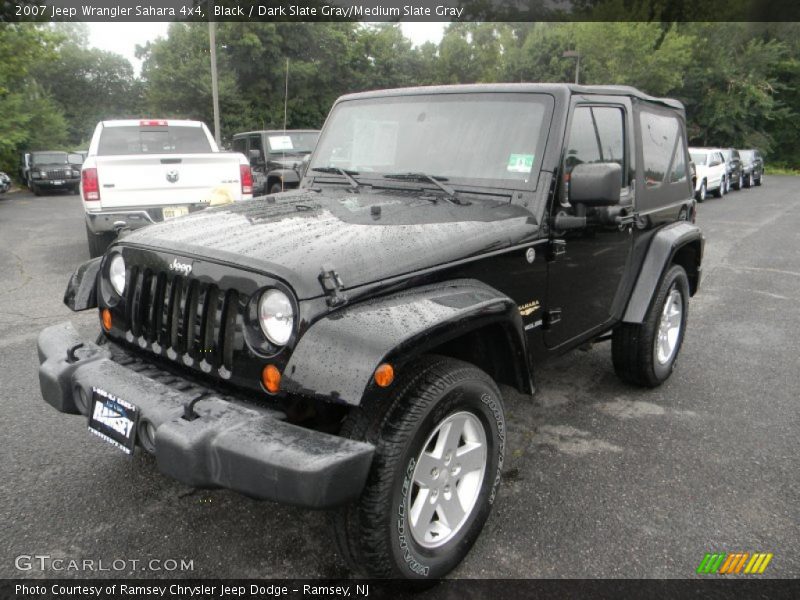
437 181
346 174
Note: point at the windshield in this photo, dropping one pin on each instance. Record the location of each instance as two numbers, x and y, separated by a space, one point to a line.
152 140
299 143
478 138
746 154
699 158
50 158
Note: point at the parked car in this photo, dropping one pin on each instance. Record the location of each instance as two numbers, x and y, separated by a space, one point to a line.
342 350
52 171
140 172
733 168
5 182
280 167
752 167
711 172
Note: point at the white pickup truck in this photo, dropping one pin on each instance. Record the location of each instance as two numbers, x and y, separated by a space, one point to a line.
139 172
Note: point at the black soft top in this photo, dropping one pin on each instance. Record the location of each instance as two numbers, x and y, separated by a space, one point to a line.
556 89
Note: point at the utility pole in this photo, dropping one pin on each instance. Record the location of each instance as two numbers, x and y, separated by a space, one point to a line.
212 44
577 56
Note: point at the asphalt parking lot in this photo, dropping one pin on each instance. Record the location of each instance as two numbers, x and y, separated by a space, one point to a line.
601 479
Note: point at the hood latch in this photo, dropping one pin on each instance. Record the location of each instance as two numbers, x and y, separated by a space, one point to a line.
332 286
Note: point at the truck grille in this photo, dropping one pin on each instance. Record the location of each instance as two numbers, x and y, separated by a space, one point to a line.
58 173
184 319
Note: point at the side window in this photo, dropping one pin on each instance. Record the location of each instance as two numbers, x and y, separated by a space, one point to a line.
256 144
662 149
240 145
596 135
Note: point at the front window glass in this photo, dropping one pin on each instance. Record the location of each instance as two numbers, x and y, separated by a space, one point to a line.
596 136
699 158
478 138
299 143
50 158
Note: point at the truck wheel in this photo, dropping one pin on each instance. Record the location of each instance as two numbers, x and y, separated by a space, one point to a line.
37 191
440 441
98 242
275 188
644 354
720 191
758 179
701 193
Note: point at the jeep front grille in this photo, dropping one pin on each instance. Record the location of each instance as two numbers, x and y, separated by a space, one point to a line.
59 174
183 319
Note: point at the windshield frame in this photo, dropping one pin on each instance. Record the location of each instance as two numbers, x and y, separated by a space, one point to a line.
376 179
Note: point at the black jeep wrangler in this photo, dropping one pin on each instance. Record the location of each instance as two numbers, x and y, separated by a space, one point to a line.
340 346
52 171
277 158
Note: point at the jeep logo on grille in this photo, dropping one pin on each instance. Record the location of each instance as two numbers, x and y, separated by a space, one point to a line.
184 268
172 176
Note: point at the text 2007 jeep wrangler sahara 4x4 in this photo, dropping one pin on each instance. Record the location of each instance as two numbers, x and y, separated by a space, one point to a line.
339 346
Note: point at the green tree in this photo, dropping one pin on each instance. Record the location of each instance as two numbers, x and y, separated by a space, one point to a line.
89 85
30 119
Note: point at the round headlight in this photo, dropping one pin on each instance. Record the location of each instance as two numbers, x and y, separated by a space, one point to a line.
116 273
276 315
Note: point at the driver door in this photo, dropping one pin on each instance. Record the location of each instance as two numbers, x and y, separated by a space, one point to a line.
587 264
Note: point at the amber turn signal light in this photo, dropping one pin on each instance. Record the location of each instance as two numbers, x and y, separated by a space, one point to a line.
384 375
106 318
271 378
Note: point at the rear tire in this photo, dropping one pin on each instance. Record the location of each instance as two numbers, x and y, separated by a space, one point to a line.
98 242
645 353
720 191
275 188
442 426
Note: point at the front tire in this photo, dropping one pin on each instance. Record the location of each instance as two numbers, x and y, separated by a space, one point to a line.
440 442
275 188
645 353
701 193
37 191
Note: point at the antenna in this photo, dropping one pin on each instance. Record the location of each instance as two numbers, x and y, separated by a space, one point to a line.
285 104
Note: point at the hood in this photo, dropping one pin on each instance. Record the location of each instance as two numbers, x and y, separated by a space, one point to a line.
364 237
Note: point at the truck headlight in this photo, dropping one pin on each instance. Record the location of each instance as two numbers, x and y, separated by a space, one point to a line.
36 175
116 273
276 316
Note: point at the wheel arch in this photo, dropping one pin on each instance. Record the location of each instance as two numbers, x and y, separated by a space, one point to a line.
678 243
336 358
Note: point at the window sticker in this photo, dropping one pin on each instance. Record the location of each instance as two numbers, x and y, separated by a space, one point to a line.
280 142
520 163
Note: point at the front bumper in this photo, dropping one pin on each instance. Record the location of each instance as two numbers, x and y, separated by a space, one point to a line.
57 183
244 447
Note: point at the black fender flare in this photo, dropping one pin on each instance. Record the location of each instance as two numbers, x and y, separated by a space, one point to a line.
81 292
336 358
285 175
666 244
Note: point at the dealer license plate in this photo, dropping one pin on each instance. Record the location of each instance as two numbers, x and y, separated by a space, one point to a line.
170 212
114 420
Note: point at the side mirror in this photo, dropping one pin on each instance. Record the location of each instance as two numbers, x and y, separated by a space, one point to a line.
254 155
595 184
